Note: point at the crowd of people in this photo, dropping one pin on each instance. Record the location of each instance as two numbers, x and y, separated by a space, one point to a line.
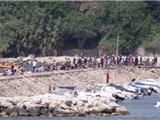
80 63
103 62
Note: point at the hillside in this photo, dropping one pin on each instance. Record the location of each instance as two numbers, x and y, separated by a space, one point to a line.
42 27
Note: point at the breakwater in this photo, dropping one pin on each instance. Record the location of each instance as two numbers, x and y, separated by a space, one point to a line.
45 105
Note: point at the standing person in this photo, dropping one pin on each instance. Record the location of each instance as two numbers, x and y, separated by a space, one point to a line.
155 61
34 64
107 77
50 88
141 60
101 61
136 61
12 69
104 62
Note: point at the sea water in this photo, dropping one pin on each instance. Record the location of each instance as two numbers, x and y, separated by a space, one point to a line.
140 109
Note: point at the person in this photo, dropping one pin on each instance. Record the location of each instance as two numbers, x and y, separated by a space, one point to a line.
155 60
101 61
12 69
141 60
49 88
34 64
136 61
107 77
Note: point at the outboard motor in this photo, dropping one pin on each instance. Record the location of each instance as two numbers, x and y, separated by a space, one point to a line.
153 90
146 92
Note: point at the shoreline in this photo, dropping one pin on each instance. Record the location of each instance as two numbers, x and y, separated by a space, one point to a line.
27 96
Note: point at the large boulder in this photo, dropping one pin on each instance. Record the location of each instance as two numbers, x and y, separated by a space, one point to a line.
34 110
121 110
12 111
68 102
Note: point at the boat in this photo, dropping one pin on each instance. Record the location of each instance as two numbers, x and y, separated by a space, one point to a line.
67 87
144 85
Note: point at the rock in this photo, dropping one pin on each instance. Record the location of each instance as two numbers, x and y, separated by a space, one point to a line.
5 103
122 110
108 110
68 103
34 111
63 112
58 106
94 110
45 102
3 114
44 111
85 101
23 112
52 106
64 106
13 114
12 111
80 104
89 106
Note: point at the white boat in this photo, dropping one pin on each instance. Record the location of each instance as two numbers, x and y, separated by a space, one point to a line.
153 82
108 92
145 84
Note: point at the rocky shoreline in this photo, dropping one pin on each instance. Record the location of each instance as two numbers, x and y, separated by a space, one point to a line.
83 104
45 105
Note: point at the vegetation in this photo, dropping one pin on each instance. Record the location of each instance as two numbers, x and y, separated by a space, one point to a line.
41 27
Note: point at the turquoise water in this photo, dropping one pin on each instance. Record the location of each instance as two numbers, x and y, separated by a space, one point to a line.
141 109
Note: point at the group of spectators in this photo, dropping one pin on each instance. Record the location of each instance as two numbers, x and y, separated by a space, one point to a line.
99 62
82 63
129 60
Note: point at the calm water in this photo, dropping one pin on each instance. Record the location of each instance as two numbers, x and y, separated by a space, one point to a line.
141 109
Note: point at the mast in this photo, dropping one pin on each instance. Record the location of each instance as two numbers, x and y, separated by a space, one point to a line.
117 51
